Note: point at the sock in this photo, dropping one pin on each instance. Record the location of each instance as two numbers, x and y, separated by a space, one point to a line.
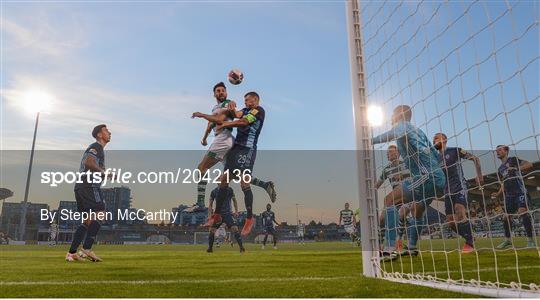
265 239
259 183
527 224
248 201
390 225
275 240
210 240
201 192
77 238
93 229
464 229
238 238
414 229
506 225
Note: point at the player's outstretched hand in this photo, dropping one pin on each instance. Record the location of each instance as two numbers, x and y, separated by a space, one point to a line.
197 115
203 142
231 105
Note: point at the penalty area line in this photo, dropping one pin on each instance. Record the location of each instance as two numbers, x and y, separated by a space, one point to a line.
178 281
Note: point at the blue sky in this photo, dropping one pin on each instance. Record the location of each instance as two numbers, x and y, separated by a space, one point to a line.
143 68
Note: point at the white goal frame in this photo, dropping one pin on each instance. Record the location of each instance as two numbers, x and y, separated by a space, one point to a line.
366 183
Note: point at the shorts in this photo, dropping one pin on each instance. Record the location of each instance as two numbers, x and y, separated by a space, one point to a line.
221 144
450 200
513 202
240 158
349 229
422 191
89 198
269 230
227 219
300 234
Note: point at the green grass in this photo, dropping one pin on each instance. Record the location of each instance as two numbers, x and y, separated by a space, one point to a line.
312 270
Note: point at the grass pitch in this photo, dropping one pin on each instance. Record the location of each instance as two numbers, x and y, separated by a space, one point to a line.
312 270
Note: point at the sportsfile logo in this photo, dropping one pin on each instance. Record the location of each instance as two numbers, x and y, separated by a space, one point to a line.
118 176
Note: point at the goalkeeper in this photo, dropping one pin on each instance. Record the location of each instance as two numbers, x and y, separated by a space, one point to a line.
427 179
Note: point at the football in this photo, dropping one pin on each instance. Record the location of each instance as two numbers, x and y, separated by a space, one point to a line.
235 76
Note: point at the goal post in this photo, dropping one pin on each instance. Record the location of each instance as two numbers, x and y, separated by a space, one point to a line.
469 70
364 153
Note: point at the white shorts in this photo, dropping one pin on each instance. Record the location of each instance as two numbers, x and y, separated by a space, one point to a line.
221 144
221 233
349 229
300 234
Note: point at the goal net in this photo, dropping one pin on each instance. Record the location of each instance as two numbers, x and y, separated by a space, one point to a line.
446 95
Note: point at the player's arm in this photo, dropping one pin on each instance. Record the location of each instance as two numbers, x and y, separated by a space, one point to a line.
245 120
477 166
217 118
274 219
207 132
235 114
90 162
393 134
525 166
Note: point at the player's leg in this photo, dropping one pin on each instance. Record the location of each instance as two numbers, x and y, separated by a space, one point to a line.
236 232
395 197
248 201
401 224
209 160
81 196
274 238
265 239
525 217
268 186
94 224
510 207
462 224
211 237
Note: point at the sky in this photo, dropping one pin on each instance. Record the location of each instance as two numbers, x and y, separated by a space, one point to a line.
143 68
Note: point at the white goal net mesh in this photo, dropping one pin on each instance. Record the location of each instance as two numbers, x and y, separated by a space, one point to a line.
469 70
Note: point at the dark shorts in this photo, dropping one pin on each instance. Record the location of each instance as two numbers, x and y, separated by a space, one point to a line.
269 230
90 198
513 202
451 200
227 219
240 158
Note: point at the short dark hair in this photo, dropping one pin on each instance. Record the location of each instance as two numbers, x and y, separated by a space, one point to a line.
504 147
253 94
440 133
219 84
97 130
405 110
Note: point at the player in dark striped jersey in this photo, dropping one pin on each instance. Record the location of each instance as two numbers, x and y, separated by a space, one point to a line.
456 190
268 221
241 158
226 216
514 193
347 219
89 196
